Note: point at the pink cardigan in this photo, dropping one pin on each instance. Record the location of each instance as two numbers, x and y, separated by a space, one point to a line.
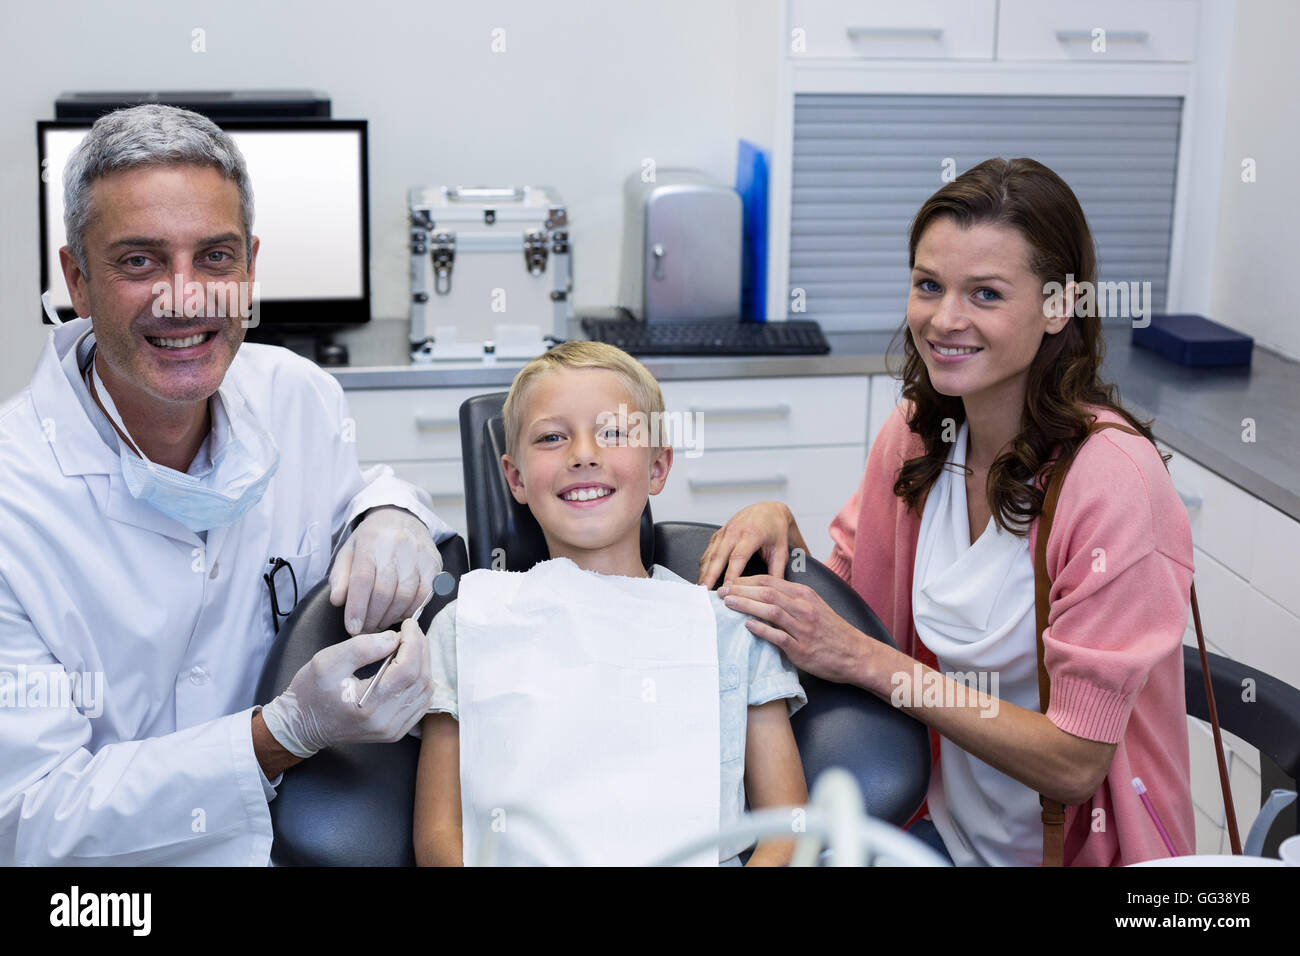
1113 644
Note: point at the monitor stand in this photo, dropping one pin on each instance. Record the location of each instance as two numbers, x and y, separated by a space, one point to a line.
320 347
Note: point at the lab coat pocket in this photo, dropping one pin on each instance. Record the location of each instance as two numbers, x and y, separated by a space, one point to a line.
732 714
306 564
306 568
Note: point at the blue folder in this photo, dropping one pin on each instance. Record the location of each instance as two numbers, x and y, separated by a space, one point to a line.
751 182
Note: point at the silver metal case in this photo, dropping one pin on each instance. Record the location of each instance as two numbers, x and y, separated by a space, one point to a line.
483 257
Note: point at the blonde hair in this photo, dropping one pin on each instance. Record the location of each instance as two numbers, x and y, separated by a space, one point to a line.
581 354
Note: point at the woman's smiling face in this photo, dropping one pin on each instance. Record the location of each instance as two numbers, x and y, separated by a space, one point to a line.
972 288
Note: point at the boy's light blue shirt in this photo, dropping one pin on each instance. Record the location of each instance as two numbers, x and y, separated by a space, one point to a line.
750 671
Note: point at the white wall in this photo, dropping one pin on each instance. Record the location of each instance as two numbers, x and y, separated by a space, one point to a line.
1258 245
585 90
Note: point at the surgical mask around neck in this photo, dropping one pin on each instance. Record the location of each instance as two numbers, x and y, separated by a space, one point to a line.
49 308
241 469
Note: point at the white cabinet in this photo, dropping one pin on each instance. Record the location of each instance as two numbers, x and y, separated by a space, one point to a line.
1245 552
1207 794
1099 31
416 431
800 440
880 29
409 424
886 393
445 482
774 412
1157 31
814 482
1244 555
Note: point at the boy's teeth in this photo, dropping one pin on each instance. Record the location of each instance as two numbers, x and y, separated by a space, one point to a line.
586 494
196 339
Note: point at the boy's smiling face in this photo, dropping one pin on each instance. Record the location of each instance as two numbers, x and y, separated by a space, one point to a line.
569 449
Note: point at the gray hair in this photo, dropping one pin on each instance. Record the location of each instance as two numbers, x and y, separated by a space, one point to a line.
148 135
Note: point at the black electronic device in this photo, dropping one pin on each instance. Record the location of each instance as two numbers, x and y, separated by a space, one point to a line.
711 337
313 263
217 105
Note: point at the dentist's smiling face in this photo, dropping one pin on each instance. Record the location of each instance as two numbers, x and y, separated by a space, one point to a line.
972 289
585 487
148 226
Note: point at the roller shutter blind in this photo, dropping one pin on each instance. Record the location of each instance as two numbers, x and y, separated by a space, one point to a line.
863 164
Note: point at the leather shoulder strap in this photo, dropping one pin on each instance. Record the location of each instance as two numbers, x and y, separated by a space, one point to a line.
1053 813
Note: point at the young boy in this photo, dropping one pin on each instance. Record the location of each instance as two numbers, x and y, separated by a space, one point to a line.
587 486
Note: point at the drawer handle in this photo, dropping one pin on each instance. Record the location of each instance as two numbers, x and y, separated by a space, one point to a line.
447 495
1191 502
924 33
1137 36
427 422
775 411
714 484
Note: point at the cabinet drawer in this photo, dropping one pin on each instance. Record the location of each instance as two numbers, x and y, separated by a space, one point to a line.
408 424
1245 624
1153 30
1222 516
770 412
886 393
1276 543
443 480
713 487
874 29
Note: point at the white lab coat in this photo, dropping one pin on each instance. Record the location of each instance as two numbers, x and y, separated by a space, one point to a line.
94 582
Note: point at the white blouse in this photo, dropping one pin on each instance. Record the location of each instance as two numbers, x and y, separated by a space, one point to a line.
973 605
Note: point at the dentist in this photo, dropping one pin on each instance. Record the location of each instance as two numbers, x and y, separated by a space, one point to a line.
157 483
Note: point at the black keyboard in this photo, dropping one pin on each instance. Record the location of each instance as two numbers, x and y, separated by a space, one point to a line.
795 337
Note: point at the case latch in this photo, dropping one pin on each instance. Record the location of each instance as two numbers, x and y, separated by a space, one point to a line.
444 256
535 251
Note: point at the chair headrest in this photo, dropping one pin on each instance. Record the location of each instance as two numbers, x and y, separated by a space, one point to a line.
499 526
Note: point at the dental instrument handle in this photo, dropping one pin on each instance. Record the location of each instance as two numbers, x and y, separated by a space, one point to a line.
443 584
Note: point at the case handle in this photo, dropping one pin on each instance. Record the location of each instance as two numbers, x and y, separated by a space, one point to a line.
474 193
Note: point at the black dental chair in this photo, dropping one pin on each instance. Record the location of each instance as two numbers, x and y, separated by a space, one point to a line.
350 805
887 751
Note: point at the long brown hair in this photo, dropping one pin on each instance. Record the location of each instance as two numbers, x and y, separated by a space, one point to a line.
1063 376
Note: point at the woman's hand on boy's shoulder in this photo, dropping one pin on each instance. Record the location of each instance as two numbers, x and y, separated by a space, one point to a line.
802 625
767 528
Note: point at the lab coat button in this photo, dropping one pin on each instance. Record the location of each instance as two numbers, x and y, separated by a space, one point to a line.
198 675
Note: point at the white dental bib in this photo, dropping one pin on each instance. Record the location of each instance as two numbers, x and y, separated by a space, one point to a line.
591 702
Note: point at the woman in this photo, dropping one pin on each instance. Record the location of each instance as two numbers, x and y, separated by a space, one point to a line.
1001 378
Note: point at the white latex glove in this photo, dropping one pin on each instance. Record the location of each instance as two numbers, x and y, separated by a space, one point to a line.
319 707
384 571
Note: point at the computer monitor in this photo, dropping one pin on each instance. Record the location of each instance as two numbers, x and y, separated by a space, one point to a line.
311 211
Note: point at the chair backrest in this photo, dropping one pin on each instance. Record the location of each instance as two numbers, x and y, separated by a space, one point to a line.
841 725
353 804
1261 710
887 751
495 519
